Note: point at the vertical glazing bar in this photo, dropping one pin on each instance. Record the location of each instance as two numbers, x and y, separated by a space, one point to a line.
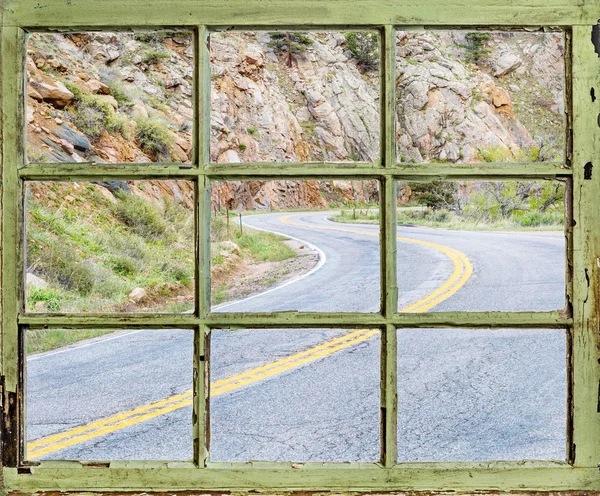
199 406
389 286
13 50
202 77
203 187
202 74
388 95
389 396
585 449
389 291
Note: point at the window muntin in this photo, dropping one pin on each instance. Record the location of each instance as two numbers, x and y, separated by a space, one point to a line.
393 477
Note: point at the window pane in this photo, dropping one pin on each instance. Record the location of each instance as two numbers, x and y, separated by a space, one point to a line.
110 97
481 246
295 395
480 96
288 253
123 395
111 246
295 97
481 395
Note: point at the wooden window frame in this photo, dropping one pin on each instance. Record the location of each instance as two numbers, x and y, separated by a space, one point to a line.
580 319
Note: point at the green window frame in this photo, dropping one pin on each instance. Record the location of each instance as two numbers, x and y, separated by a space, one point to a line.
581 317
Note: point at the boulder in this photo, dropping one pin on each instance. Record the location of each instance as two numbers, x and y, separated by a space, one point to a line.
138 111
500 97
54 92
80 142
95 86
33 93
33 281
137 295
506 62
111 100
230 247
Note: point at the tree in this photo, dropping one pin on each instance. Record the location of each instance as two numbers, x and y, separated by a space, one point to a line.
439 194
364 47
290 44
477 49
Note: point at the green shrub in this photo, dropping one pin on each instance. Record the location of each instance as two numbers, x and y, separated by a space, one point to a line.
51 298
75 89
123 264
94 115
180 219
141 215
242 147
364 47
154 57
536 219
178 270
119 93
153 137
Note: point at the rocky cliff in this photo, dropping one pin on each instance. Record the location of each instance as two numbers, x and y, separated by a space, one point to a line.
127 97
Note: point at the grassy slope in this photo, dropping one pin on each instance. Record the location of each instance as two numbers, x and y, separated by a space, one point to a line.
93 250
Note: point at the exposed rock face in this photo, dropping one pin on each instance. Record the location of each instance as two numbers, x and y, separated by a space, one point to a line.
322 108
449 110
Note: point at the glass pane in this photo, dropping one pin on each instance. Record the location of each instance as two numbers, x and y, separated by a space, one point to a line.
111 246
275 246
295 97
481 246
110 97
480 96
98 395
295 395
481 395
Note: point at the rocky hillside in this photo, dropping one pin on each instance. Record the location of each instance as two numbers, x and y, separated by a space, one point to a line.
127 97
462 102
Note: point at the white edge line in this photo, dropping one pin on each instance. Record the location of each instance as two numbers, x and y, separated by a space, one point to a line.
76 346
322 260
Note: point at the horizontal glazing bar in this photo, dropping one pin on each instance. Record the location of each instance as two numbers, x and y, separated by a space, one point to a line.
296 170
425 171
301 319
62 172
112 321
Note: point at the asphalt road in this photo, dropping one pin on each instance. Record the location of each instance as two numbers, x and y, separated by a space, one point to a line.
463 394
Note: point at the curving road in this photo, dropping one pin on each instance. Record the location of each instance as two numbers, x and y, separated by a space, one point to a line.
313 395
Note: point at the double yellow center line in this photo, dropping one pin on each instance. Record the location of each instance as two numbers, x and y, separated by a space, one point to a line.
50 444
123 420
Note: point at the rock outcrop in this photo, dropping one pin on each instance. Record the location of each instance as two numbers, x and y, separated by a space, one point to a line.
91 98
